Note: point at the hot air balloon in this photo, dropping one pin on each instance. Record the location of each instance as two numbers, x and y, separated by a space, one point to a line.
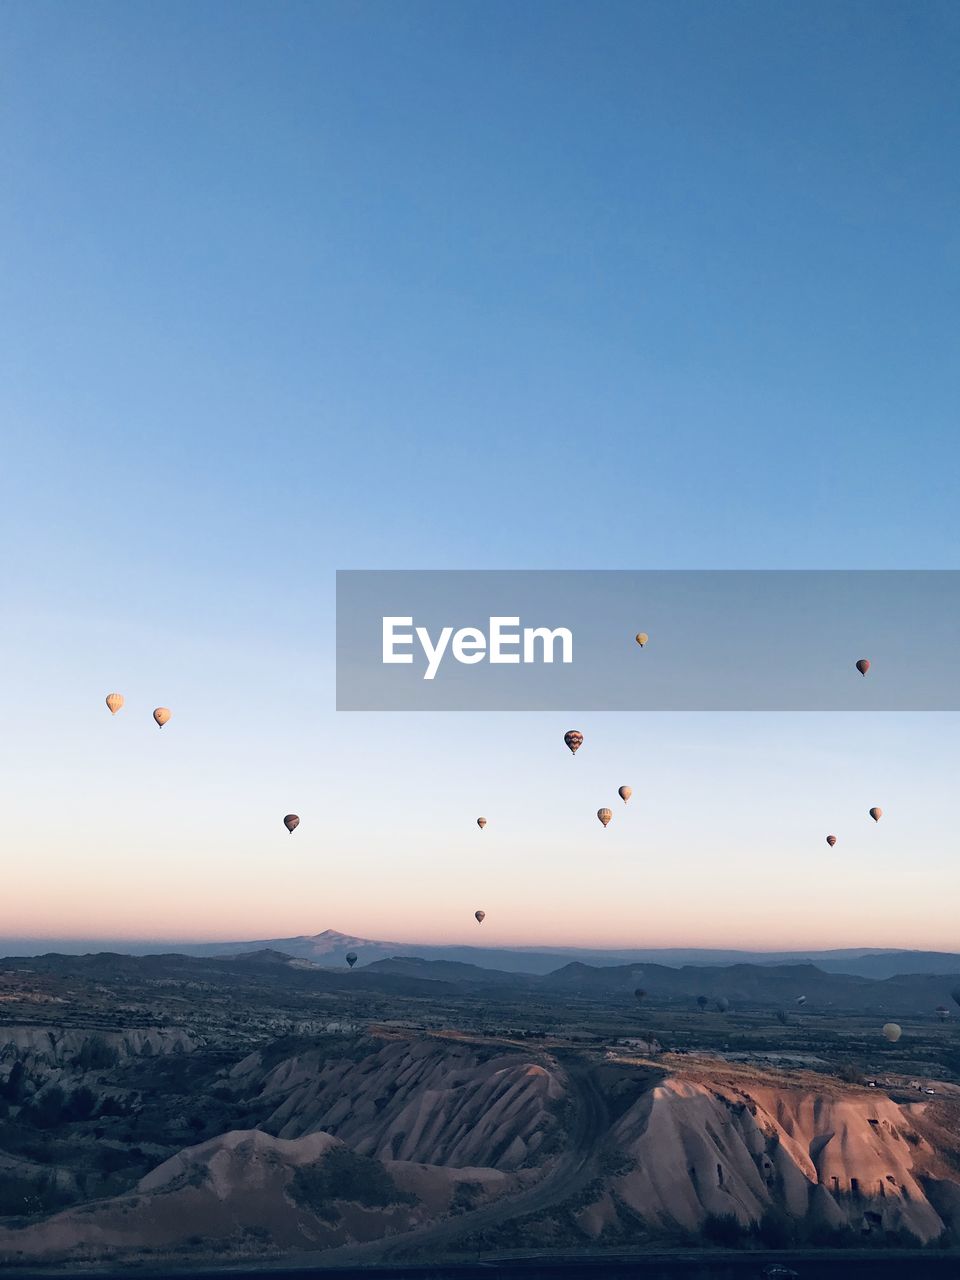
863 665
604 815
481 823
702 1003
642 638
162 715
574 740
943 1013
801 1000
480 916
291 822
831 841
892 1032
723 1004
114 702
351 958
639 994
625 793
876 814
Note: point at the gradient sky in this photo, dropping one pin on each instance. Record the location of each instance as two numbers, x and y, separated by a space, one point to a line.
291 287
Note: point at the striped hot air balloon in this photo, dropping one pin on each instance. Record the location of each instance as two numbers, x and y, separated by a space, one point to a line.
291 822
604 815
574 740
114 702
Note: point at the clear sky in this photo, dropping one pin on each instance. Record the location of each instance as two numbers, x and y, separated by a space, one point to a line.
291 287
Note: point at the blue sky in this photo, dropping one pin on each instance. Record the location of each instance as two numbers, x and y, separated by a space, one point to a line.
297 287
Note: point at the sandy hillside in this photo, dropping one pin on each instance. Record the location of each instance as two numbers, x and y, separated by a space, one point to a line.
431 1101
246 1192
830 1155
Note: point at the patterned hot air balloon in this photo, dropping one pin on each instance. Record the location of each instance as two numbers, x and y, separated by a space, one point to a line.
863 665
351 958
876 814
892 1032
291 822
625 793
481 823
480 916
162 715
114 702
574 740
642 638
604 815
831 841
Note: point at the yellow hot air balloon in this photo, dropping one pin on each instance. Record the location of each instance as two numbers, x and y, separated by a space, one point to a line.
604 815
892 1032
114 702
625 793
481 823
642 638
162 715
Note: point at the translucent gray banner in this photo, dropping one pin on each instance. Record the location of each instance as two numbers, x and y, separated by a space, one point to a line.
529 640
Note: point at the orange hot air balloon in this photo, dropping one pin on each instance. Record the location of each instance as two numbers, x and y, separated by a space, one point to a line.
114 702
831 841
863 665
291 822
481 823
480 916
625 793
604 815
162 715
876 814
642 638
574 740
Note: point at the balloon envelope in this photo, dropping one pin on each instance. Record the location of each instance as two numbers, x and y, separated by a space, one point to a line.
863 666
574 740
642 638
351 958
291 822
114 702
892 1032
723 1004
604 815
876 814
162 715
481 823
625 793
480 916
831 841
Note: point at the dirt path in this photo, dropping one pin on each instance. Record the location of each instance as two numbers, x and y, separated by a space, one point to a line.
575 1168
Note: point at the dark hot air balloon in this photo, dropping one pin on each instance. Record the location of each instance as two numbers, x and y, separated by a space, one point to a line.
291 822
351 958
831 841
480 916
574 740
876 814
863 665
640 994
625 793
481 823
702 1003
